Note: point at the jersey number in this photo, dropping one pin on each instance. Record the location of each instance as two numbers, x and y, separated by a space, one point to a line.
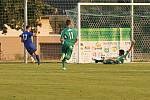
70 35
24 36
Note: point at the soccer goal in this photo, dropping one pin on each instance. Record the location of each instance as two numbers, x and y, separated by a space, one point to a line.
103 29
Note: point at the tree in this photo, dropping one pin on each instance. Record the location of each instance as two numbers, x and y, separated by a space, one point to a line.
12 13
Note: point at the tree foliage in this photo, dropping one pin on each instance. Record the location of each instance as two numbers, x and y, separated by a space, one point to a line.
12 13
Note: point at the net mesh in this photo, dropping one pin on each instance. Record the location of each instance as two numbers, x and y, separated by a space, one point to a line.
113 23
141 33
97 22
11 21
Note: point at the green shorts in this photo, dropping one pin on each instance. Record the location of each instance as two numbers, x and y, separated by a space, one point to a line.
110 61
67 50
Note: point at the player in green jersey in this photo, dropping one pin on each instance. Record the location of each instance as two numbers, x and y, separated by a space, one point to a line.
68 39
117 60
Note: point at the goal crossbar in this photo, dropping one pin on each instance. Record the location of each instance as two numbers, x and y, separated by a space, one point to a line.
114 4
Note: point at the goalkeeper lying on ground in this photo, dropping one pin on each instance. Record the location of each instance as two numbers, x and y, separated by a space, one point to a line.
119 59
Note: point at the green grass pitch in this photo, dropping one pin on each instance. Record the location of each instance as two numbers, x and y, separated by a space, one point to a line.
78 82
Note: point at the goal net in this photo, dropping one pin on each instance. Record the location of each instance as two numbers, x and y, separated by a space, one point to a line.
103 29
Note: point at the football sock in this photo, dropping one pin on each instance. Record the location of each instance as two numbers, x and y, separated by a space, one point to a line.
63 62
38 59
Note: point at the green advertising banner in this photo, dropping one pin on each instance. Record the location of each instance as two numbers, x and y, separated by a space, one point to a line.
105 34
